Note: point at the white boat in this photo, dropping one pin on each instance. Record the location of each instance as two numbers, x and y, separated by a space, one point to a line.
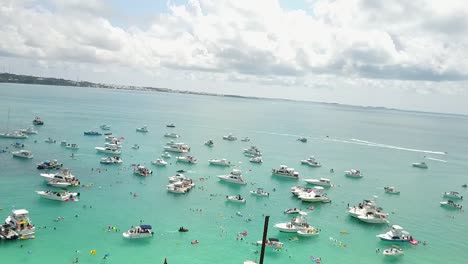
229 137
25 154
178 177
393 252
7 233
368 212
253 151
37 121
72 146
105 127
451 204
271 242
353 173
316 195
29 131
374 218
143 129
59 196
308 232
50 140
141 231
110 138
178 147
292 211
111 160
234 177
391 190
166 155
320 182
256 160
260 192
142 171
235 198
249 262
219 162
453 195
159 162
20 222
396 234
421 165
16 135
108 150
177 187
296 224
187 159
209 143
171 135
286 172
311 162
58 184
64 175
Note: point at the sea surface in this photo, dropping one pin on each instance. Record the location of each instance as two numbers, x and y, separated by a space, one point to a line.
381 143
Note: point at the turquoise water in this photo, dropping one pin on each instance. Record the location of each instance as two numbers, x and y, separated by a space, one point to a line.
273 127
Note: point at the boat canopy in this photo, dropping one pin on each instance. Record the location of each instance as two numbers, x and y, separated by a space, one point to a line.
20 212
273 239
145 227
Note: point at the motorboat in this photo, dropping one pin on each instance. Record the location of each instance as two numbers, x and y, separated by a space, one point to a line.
105 127
246 139
17 145
253 151
320 182
171 135
365 208
37 121
229 137
451 204
316 195
302 139
311 162
178 147
117 144
166 155
374 217
236 198
110 138
7 233
15 135
20 222
187 159
59 184
256 160
298 190
177 177
178 187
50 140
135 146
308 232
29 131
49 164
63 143
59 196
396 234
286 172
111 160
234 177
393 252
353 173
260 192
92 133
453 195
159 162
72 146
64 175
292 211
219 162
141 231
209 143
108 150
143 129
170 142
170 125
296 224
391 190
25 154
421 165
271 242
142 171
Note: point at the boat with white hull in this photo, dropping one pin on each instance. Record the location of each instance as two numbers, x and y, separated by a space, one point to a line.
15 135
391 190
284 171
396 234
256 160
111 160
319 182
230 137
453 195
393 252
141 231
143 129
25 154
171 135
296 224
353 173
315 195
59 196
311 162
260 192
271 242
187 159
29 131
142 171
159 162
451 204
236 199
108 150
234 177
220 162
64 175
308 232
178 147
20 222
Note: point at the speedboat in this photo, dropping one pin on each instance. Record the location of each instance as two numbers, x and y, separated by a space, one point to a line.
177 177
105 127
365 207
141 231
18 145
260 192
25 154
234 177
178 187
421 165
393 251
159 162
253 151
302 139
374 217
296 224
316 195
72 146
178 147
298 190
50 140
49 164
166 155
308 232
171 135
30 130
58 184
20 223
135 146
109 150
451 204
142 171
170 125
396 234
453 195
37 121
7 233
292 211
235 198
64 175
391 190
92 133
271 242
16 135
209 143
59 196
320 182
286 172
246 139
187 159
229 137
219 162
353 173
311 162
143 129
111 160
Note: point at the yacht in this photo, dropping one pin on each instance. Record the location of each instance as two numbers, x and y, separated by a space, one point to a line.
178 177
302 139
59 184
209 143
25 154
219 162
108 150
49 164
256 160
110 138
396 234
311 162
170 125
271 242
111 160
234 177
181 187
141 231
451 204
246 139
316 195
117 144
20 223
16 135
364 208
142 171
105 127
394 251
92 133
187 159
260 192
159 162
308 232
50 140
320 182
296 224
64 175
7 233
453 195
29 131
298 190
229 137
391 190
374 217
178 147
72 146
236 198
143 129
353 173
253 151
286 172
59 196
171 135
166 155
421 165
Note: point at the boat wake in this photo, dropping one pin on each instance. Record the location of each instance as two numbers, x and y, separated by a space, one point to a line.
436 159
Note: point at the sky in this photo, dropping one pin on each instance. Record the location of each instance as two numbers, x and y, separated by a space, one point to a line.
402 54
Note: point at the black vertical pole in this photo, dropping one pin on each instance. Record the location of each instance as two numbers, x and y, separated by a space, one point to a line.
265 231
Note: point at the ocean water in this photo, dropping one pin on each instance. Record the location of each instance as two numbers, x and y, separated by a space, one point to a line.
381 143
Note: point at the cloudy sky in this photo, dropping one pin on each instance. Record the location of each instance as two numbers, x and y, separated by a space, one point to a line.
402 54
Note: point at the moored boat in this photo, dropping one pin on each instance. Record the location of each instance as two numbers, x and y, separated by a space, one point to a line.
209 143
20 222
92 133
234 177
177 147
451 204
49 164
256 160
453 195
393 252
319 182
230 137
108 150
59 196
171 135
143 129
308 232
220 162
296 224
236 198
421 165
105 127
187 159
353 173
29 131
25 154
271 242
311 162
391 190
16 135
260 192
159 162
142 171
141 231
284 171
111 160
64 175
396 234
37 121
